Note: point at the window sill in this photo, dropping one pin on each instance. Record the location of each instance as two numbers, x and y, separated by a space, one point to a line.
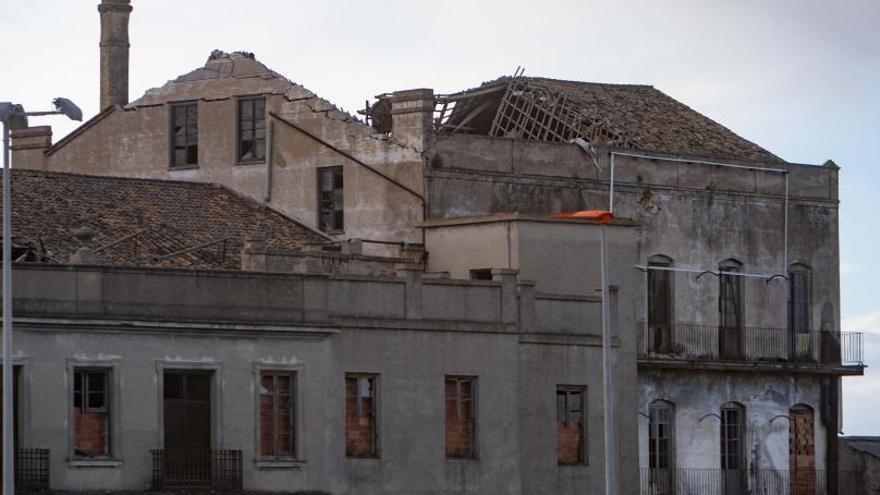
279 463
172 168
461 459
252 162
573 465
94 463
364 458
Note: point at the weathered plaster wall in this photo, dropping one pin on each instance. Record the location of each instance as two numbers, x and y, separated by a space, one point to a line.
134 141
698 398
854 460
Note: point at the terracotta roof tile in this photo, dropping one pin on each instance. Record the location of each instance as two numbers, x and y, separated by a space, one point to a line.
166 216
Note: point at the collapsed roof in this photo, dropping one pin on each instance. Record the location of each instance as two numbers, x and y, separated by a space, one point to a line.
617 116
142 222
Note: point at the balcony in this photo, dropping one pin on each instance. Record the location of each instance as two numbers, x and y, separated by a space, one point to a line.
199 469
742 482
708 343
32 469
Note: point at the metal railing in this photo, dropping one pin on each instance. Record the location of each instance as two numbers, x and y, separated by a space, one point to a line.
686 341
183 469
32 469
746 482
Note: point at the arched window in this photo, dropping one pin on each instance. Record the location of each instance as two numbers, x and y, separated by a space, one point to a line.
661 437
661 419
730 308
802 449
660 302
799 297
733 426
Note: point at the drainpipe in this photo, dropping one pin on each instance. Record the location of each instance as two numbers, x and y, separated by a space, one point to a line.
269 141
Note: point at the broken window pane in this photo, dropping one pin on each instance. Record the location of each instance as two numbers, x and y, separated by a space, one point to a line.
570 430
360 418
331 199
251 129
276 414
185 134
90 414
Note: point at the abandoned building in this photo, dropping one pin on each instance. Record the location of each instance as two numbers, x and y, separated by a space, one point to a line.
862 454
384 259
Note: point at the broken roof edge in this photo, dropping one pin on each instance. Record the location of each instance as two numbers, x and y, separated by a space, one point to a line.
72 135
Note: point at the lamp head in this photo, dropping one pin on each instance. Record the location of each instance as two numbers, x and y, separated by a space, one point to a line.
68 108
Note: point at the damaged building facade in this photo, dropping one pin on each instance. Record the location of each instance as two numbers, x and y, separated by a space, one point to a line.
725 273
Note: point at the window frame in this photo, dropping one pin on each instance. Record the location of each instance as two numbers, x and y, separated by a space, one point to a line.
298 457
458 379
111 400
377 451
238 129
318 208
736 281
654 432
663 262
802 270
172 145
567 390
740 426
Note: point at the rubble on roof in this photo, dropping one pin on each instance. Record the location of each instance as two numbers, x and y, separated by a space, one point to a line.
610 115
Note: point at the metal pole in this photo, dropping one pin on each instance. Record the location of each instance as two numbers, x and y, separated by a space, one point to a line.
610 455
8 440
611 186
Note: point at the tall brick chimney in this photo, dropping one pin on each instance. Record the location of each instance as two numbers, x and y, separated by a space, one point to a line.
114 52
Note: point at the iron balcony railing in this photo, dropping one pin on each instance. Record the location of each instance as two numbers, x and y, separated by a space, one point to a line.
197 469
747 482
32 469
686 341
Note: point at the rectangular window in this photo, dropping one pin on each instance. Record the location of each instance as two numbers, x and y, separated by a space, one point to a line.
251 129
360 415
659 295
277 426
330 199
91 422
570 431
460 424
660 436
481 274
184 134
730 299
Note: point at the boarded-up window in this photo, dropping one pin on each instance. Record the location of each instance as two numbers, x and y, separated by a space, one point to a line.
277 428
360 415
570 431
799 298
90 411
460 415
802 450
251 129
331 201
184 134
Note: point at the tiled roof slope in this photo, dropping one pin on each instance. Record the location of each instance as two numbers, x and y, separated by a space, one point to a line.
655 122
166 216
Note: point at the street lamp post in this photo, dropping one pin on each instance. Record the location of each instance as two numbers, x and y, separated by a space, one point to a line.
604 217
66 107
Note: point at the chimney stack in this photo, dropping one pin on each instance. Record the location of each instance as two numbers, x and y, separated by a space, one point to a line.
114 52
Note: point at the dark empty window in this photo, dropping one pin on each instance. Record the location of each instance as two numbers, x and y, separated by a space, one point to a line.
731 294
799 298
659 292
330 199
570 433
460 426
276 414
90 410
481 274
184 134
251 129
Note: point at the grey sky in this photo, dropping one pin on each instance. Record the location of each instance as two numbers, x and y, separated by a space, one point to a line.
799 77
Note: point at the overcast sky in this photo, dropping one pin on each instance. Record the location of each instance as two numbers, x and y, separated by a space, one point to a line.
799 77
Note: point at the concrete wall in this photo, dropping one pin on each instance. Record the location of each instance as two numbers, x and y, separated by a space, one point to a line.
410 330
858 461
